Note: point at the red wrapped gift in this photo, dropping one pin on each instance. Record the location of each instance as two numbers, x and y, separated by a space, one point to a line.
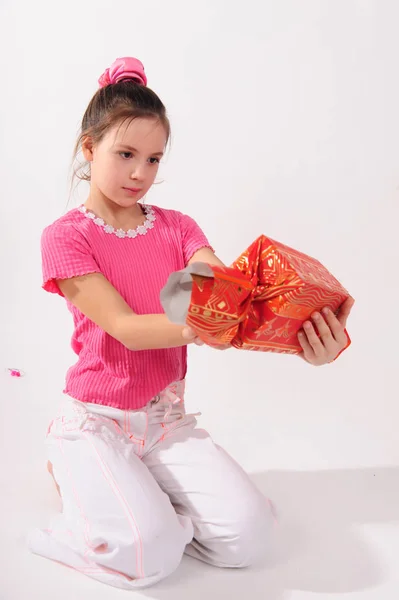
259 303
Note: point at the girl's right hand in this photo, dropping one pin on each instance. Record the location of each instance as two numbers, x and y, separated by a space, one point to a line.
191 337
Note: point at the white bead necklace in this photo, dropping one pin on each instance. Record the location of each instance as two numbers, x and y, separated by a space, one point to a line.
120 233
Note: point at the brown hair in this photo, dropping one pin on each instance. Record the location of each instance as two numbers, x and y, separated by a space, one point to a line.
113 104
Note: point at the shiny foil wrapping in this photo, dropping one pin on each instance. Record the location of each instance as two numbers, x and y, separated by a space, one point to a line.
259 303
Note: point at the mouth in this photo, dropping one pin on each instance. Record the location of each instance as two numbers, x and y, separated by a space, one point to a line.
133 190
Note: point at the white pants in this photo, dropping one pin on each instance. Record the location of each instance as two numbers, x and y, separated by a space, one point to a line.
139 488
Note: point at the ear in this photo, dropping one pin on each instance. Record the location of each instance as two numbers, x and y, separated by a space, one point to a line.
87 149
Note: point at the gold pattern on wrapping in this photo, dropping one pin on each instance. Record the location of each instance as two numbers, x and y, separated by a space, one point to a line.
262 300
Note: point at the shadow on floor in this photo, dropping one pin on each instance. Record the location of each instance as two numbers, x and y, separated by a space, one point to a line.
319 547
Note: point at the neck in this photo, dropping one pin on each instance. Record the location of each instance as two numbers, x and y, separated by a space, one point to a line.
113 214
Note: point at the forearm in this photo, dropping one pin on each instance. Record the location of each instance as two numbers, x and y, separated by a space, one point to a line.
150 332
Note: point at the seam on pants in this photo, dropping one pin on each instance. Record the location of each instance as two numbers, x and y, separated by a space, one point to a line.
92 567
106 421
136 441
112 483
73 420
172 428
126 428
86 531
130 434
126 422
145 435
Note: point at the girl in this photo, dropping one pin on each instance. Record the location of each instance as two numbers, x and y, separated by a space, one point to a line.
140 484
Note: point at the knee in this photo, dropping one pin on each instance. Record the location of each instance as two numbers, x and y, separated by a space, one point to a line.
163 549
248 540
151 553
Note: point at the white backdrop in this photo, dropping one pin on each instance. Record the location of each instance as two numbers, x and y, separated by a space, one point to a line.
285 122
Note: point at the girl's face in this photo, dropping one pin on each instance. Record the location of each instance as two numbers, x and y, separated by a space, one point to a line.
125 163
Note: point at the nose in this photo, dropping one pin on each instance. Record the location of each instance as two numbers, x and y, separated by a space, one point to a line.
138 170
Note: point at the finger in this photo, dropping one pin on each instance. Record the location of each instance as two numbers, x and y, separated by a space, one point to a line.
313 338
345 310
335 326
306 347
324 330
188 334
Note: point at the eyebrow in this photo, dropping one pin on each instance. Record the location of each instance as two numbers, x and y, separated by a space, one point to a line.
134 150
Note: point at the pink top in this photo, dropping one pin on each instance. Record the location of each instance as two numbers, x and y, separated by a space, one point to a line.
138 267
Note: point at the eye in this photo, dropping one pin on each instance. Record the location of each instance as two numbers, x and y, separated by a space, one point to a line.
155 159
126 155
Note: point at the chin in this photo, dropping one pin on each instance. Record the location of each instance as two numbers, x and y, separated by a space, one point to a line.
126 202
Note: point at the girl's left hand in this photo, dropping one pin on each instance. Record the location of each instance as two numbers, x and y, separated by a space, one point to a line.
191 337
323 349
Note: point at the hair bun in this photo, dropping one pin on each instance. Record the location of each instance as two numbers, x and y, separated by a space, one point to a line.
124 68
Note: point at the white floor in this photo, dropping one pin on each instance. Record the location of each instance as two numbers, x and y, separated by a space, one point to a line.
338 534
284 122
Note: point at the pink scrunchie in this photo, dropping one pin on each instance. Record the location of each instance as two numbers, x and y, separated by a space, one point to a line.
123 68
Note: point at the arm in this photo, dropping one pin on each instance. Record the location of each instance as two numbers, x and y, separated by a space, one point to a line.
110 312
207 256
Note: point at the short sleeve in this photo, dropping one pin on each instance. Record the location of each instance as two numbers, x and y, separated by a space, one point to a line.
65 254
193 238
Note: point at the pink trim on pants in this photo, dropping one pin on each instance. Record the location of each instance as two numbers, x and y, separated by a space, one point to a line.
141 488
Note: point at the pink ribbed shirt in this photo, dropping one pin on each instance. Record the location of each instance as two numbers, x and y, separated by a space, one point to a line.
106 372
